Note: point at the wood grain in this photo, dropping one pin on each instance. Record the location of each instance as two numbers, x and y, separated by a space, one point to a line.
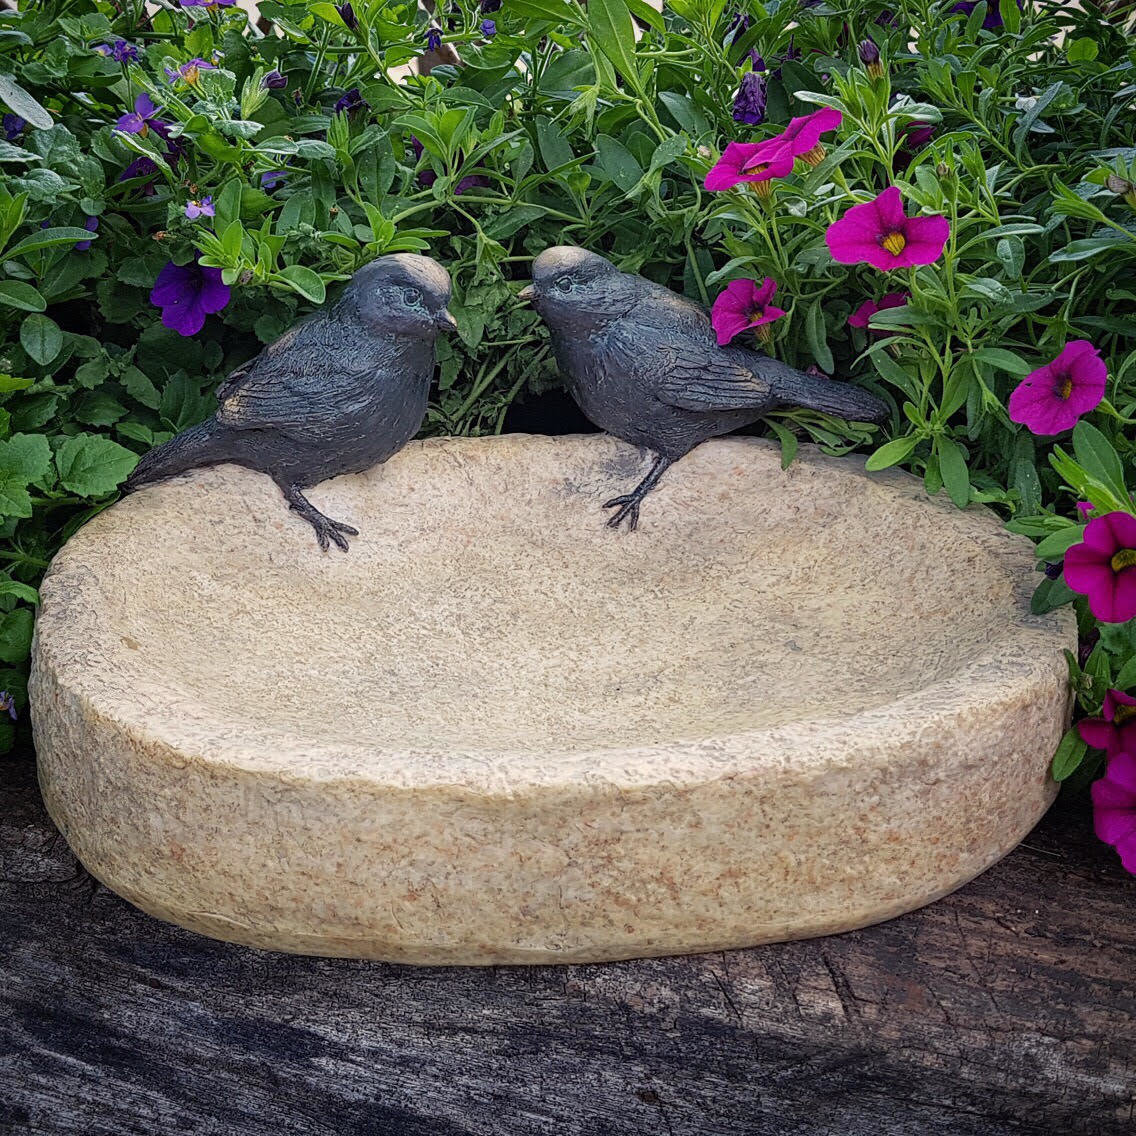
1009 1007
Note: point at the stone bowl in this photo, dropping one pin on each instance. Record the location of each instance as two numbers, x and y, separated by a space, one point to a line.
792 703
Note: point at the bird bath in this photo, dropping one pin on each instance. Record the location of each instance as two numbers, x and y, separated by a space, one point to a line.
791 703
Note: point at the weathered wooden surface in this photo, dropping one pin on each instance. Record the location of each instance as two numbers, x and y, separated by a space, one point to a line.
1009 1007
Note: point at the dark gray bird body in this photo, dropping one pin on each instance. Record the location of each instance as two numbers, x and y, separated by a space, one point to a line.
339 393
644 364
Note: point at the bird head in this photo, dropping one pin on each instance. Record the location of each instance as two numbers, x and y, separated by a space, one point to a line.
574 288
403 293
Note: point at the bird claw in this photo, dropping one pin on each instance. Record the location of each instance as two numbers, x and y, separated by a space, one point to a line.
329 530
628 506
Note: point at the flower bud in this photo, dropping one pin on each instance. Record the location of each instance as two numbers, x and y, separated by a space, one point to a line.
274 81
749 103
1122 187
870 57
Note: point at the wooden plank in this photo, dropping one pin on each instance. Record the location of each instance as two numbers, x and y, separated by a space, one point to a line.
1009 1007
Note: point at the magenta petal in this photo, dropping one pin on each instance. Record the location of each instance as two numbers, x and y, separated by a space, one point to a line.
1121 528
1097 733
1122 771
1115 698
860 317
804 133
1127 850
888 209
727 171
727 325
773 159
1088 576
926 238
765 293
1112 825
768 314
855 237
1123 597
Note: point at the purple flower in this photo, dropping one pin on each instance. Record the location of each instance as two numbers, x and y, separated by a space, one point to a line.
1115 730
141 119
755 61
743 306
863 314
14 126
274 81
351 101
8 705
187 293
880 234
749 102
272 178
488 28
869 54
91 224
202 208
1114 808
739 25
120 51
207 3
433 39
993 18
1052 398
190 72
347 15
472 181
141 167
1103 567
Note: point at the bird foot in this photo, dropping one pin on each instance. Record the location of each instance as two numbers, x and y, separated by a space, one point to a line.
327 530
628 506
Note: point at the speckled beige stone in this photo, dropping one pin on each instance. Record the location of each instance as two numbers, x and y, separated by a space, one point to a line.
497 731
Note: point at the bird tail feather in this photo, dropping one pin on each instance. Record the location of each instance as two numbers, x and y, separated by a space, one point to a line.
815 392
191 448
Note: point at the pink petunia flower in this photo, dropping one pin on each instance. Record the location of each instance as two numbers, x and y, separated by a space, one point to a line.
1053 397
880 234
1114 808
1116 730
801 138
730 169
863 314
743 306
1103 567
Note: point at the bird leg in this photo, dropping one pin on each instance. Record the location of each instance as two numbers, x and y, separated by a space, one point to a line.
628 504
326 529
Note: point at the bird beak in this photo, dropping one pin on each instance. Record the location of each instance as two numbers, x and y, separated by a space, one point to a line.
527 293
445 321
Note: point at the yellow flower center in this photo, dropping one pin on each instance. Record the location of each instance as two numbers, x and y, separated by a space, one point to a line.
191 74
1065 387
894 242
815 156
1123 714
1125 558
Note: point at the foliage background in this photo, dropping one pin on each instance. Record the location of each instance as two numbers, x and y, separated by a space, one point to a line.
563 127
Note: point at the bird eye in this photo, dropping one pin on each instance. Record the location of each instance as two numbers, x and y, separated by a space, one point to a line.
411 296
564 283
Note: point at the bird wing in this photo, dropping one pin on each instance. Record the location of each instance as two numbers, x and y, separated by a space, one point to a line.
674 338
290 386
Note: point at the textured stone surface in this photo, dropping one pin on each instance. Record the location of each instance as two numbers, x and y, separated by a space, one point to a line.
791 703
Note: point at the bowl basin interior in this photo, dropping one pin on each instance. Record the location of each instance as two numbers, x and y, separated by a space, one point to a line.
485 607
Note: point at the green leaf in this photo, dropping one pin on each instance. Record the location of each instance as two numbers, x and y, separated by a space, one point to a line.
20 102
92 465
1050 595
817 335
1083 50
1003 360
140 388
1127 676
611 30
23 592
309 284
26 456
41 338
788 440
891 452
17 294
1095 454
952 465
47 238
1055 545
1070 753
16 635
556 10
618 163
